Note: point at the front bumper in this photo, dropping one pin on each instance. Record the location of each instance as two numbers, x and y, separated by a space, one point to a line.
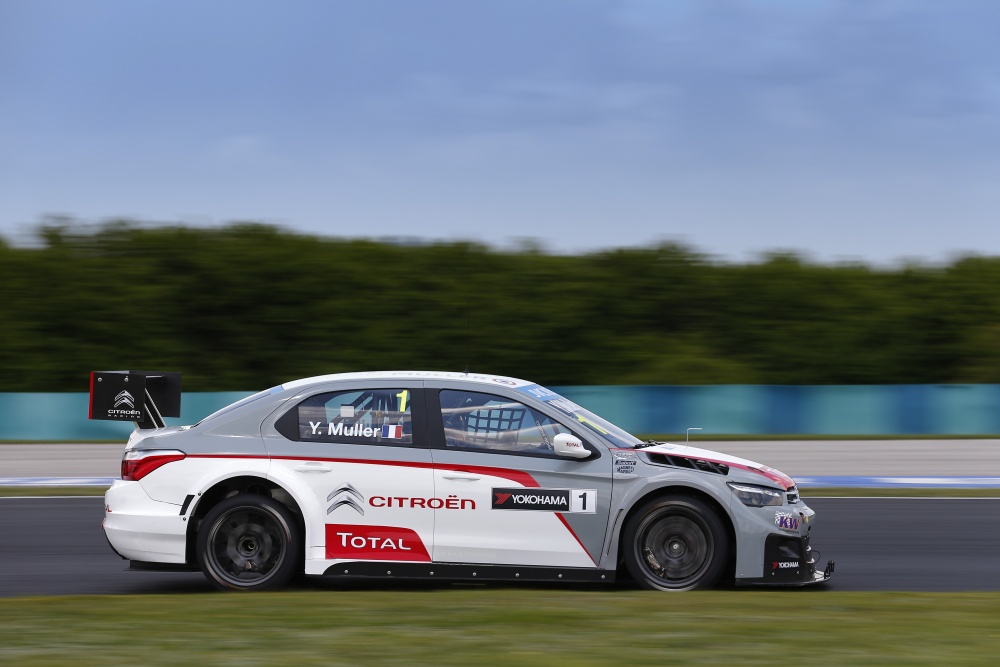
789 560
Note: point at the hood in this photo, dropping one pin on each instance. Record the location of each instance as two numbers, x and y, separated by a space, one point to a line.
686 451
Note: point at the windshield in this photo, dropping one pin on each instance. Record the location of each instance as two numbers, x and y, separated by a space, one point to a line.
586 418
240 403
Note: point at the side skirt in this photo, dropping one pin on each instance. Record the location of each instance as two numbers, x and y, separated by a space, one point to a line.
468 572
143 566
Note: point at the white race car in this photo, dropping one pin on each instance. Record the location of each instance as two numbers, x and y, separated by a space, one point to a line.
435 475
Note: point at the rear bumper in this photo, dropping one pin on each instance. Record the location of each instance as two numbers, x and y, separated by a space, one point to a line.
141 529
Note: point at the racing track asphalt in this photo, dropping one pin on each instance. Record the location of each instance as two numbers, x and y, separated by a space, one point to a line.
55 546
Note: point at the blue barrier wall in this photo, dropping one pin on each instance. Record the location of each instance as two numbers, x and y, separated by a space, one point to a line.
952 409
960 409
64 416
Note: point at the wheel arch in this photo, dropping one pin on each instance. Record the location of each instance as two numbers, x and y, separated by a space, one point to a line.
729 573
232 486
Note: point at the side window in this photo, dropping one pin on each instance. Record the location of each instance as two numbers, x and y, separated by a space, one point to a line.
364 416
473 420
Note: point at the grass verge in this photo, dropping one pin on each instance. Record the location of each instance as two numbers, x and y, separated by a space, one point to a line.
491 626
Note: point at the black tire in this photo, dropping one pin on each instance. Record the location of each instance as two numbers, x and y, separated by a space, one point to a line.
249 542
675 543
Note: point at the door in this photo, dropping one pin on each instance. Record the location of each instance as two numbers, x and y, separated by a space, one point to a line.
514 501
359 459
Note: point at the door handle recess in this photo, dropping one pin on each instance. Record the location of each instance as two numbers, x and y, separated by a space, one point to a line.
313 467
461 478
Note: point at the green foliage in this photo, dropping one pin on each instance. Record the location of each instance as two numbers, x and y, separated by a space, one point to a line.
248 306
526 626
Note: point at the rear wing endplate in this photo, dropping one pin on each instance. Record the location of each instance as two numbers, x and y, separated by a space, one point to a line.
143 397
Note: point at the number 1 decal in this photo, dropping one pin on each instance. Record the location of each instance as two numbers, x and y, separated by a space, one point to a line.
402 396
583 501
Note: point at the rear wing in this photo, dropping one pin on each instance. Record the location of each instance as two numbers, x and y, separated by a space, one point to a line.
143 397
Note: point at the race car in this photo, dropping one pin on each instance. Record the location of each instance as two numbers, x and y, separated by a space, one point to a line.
436 475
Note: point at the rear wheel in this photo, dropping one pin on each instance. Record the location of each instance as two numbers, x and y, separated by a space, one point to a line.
675 543
249 542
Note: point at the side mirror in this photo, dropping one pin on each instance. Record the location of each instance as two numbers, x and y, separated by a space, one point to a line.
565 444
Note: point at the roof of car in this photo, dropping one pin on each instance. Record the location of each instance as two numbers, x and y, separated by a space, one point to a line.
410 375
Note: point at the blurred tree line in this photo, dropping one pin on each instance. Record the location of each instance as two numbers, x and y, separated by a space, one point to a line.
248 306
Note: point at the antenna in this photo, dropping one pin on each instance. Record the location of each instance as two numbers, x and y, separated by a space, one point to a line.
468 335
687 437
468 313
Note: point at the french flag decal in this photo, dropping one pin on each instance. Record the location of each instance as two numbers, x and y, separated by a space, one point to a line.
394 432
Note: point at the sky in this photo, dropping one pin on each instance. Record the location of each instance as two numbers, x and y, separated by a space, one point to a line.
843 130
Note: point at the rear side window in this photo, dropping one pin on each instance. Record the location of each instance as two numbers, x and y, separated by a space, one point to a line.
362 416
240 403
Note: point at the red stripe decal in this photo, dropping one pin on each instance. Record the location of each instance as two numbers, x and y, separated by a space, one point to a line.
231 456
522 478
776 476
370 462
518 476
90 407
575 537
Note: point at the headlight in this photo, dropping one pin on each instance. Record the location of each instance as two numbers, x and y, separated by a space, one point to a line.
756 496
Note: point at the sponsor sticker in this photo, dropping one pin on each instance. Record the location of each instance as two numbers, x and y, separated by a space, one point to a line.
624 463
353 542
575 501
786 521
347 496
784 565
117 396
539 392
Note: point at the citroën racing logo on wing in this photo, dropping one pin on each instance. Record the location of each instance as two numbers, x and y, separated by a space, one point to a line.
126 399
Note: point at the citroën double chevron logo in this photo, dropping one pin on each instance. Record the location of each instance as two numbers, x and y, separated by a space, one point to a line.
345 494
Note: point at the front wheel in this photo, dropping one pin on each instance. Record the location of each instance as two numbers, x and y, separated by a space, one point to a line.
675 543
249 542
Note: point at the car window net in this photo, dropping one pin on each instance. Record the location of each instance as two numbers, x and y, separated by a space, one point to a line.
493 425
